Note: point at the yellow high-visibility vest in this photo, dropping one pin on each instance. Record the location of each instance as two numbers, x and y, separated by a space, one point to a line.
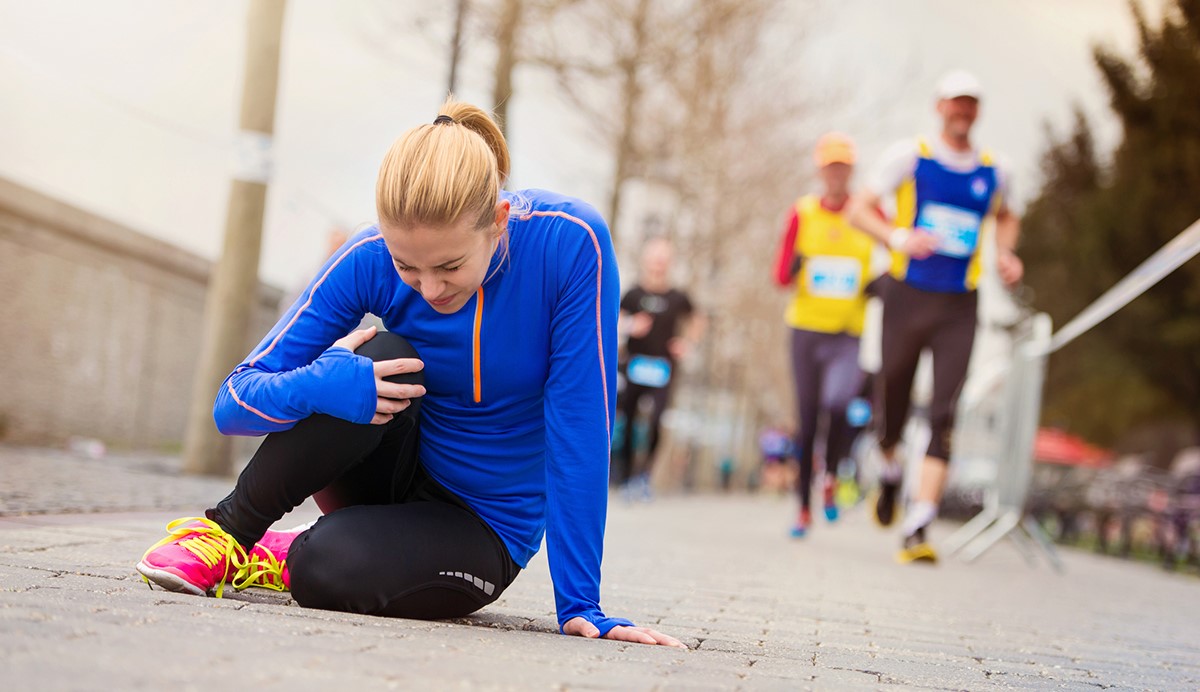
829 287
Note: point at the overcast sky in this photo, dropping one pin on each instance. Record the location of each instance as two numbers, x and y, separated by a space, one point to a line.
127 108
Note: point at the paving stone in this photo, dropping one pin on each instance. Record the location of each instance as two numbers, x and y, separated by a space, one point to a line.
759 610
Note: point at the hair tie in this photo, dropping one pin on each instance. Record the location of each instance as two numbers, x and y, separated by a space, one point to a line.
443 119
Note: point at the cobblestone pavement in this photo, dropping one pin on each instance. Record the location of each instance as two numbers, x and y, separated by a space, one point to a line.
759 611
51 481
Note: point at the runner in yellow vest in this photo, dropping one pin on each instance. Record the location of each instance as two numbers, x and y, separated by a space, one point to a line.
827 262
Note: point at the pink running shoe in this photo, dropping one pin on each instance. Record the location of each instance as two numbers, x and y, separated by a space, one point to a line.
196 557
266 565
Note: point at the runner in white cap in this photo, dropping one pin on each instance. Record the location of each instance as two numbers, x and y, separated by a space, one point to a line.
945 190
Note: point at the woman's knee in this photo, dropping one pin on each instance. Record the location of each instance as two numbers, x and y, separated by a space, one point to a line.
326 576
388 346
346 563
326 570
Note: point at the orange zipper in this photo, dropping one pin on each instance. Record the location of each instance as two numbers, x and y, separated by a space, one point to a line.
478 328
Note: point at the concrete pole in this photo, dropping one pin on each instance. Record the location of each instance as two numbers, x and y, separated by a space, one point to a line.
233 287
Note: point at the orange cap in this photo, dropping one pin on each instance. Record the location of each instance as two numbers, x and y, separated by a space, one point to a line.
834 147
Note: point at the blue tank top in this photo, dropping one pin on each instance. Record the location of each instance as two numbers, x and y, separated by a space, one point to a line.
952 206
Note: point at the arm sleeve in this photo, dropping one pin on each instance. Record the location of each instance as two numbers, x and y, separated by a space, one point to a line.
897 163
787 250
294 373
1004 188
579 407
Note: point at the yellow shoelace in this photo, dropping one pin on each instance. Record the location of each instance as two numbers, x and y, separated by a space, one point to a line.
264 570
207 541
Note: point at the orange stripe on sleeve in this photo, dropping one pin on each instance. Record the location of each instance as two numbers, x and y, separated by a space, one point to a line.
251 409
599 285
308 302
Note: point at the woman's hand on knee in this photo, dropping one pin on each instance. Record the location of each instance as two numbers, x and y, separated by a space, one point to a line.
638 635
390 398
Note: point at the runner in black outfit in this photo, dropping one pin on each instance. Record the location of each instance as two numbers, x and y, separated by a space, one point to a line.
662 325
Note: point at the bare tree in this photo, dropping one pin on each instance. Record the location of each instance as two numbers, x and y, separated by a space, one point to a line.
507 22
630 46
461 8
740 160
688 99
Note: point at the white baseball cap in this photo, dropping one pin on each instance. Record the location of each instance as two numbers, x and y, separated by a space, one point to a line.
958 83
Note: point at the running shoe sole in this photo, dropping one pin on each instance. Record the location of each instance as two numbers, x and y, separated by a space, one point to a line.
921 552
168 580
879 505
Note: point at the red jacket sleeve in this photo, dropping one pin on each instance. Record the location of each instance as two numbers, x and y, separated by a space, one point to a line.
783 262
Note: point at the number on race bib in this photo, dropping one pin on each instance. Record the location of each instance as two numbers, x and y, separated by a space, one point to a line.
833 277
956 229
648 371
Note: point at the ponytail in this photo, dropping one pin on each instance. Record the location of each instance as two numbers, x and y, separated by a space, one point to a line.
478 121
435 174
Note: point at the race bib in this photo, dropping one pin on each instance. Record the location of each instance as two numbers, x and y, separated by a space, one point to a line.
956 229
649 371
833 277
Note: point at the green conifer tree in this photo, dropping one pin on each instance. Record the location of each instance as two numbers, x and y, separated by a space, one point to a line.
1092 224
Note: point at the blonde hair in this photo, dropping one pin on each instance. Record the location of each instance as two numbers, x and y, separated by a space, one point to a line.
439 173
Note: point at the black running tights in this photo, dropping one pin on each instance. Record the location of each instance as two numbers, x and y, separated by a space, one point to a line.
393 541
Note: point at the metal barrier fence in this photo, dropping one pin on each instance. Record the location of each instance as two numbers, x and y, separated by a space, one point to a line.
1007 433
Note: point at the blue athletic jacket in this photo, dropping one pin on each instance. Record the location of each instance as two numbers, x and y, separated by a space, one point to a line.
520 382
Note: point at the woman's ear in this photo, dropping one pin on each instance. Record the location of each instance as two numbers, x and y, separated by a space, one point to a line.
502 210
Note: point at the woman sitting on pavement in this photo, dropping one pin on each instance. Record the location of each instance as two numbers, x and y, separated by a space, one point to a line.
442 450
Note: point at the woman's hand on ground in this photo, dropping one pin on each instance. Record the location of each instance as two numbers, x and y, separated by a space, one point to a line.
390 398
638 635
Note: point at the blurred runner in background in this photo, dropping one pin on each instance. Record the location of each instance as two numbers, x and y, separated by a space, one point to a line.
945 191
777 448
662 326
826 262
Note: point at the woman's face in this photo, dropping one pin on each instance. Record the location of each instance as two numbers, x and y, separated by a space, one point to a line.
446 264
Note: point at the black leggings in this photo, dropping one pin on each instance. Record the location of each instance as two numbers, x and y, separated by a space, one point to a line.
393 541
629 402
914 320
827 379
